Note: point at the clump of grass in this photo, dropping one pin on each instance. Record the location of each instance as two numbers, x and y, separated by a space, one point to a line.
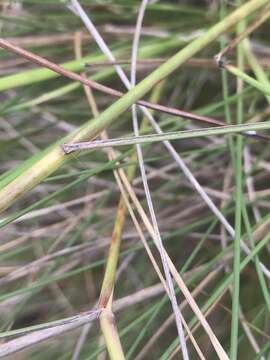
133 251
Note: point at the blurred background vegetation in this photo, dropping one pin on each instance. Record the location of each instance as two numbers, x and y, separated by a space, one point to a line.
54 240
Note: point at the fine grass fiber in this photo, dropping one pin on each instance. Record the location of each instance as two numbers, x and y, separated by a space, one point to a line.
132 232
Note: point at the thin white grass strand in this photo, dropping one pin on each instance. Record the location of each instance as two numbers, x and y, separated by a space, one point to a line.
171 293
36 337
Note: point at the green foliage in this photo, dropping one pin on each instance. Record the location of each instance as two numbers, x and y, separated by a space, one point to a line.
59 211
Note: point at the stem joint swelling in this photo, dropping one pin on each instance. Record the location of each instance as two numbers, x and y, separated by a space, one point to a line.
67 149
107 313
